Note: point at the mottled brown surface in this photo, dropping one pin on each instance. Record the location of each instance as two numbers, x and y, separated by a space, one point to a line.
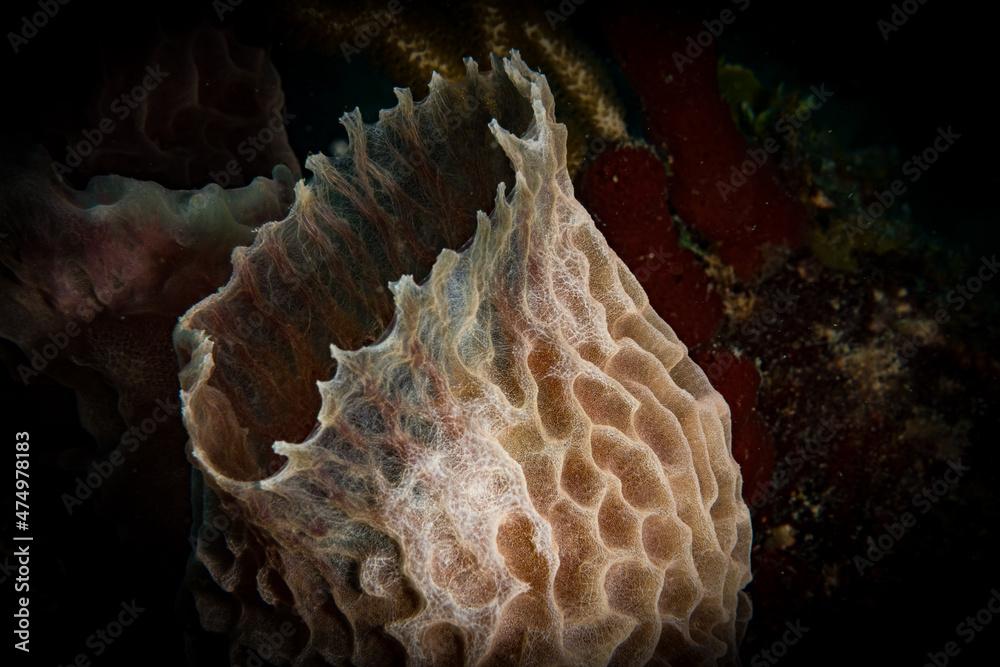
514 462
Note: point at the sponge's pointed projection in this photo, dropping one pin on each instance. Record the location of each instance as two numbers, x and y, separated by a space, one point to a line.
435 435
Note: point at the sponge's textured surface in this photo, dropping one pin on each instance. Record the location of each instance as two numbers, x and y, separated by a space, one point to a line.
515 461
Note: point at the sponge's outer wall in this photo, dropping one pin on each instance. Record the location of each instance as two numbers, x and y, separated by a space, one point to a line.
515 462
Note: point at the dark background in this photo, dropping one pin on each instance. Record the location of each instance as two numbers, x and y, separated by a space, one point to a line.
938 70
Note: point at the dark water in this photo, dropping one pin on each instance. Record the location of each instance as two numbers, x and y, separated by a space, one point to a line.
895 88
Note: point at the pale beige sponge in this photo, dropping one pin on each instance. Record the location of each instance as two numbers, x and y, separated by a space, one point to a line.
435 436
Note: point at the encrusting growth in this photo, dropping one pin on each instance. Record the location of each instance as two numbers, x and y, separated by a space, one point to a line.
510 459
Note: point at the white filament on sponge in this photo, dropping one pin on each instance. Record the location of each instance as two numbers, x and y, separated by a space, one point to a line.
525 467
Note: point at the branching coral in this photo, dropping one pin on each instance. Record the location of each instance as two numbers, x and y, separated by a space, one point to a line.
515 461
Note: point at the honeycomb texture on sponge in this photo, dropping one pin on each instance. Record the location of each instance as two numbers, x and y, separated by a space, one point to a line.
525 467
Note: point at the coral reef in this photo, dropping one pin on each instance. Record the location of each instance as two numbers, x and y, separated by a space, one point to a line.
99 262
687 117
806 316
410 45
626 191
93 283
515 462
192 109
